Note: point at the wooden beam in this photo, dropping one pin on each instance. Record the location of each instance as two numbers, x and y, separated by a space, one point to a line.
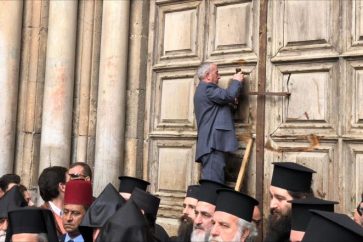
244 163
260 121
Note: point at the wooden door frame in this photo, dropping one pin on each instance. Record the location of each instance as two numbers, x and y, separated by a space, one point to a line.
260 120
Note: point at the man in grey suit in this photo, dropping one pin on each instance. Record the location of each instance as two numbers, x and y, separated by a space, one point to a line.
216 134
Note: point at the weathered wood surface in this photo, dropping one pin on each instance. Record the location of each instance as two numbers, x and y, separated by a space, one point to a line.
138 118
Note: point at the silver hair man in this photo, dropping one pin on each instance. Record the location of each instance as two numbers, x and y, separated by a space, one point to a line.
29 237
203 70
245 232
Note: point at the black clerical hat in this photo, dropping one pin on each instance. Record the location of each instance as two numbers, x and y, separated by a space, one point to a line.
12 199
292 176
128 183
300 214
127 224
105 205
31 220
147 202
193 191
332 227
208 191
236 203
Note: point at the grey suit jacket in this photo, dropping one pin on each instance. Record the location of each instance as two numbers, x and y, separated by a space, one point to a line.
214 118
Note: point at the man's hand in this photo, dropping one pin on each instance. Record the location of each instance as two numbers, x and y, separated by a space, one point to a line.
239 77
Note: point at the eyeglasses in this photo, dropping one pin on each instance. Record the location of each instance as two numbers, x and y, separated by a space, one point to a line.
77 176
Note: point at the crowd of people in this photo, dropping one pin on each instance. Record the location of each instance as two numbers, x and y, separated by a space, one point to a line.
70 213
295 213
211 211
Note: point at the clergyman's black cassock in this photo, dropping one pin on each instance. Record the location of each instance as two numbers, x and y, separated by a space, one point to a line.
126 225
12 199
105 205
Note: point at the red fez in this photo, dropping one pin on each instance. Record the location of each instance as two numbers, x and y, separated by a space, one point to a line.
78 192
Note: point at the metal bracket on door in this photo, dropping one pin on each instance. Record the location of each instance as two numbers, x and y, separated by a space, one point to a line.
283 94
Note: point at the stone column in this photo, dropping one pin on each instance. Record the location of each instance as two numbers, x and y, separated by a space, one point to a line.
10 44
111 93
59 81
86 81
31 91
136 88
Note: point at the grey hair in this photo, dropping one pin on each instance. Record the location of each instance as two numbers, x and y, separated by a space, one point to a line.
243 224
42 237
203 70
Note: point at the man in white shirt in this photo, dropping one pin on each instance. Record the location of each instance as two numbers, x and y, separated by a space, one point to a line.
52 185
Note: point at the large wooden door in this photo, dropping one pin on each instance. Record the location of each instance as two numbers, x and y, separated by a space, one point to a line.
182 35
315 53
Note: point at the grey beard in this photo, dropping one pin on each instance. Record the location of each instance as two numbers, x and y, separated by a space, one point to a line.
198 236
236 237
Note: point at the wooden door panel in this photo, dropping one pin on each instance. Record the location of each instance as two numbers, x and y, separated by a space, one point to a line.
351 174
353 99
231 32
312 106
179 28
173 166
173 105
306 29
353 30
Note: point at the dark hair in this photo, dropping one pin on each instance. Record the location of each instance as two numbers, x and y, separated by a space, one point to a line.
6 179
86 168
49 180
301 195
22 188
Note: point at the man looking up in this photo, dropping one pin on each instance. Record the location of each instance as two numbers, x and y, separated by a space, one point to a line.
77 199
205 209
289 181
216 133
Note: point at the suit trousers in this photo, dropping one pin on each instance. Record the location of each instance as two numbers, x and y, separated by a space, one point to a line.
213 165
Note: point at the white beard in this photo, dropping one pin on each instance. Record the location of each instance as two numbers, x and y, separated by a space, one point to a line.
199 236
236 238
